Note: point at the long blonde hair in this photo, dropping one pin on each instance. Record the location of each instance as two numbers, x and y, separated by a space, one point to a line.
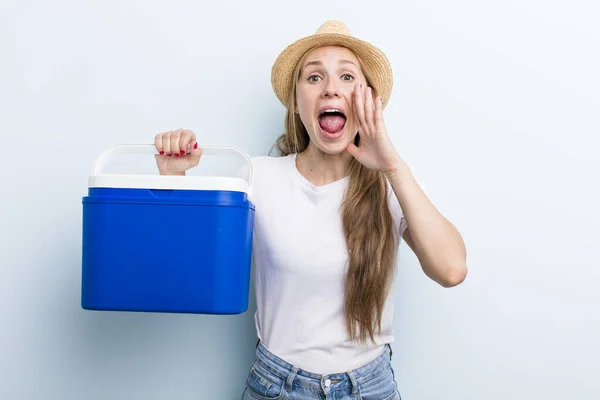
368 228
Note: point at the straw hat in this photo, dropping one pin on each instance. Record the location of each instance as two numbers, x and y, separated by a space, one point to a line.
332 33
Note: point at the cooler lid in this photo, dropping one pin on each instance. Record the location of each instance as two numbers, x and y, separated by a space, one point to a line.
168 182
101 180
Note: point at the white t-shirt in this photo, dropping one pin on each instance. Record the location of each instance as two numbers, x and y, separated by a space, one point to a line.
300 263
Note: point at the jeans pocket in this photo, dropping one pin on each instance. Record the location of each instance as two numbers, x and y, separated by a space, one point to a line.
262 385
381 387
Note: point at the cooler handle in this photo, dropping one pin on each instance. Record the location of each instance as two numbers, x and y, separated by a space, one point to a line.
121 149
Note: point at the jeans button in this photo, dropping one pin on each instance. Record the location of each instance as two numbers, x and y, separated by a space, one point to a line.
328 383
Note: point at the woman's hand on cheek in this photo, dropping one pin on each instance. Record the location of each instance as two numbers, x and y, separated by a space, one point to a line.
375 150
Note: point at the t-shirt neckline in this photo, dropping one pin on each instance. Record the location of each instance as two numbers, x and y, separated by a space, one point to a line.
316 188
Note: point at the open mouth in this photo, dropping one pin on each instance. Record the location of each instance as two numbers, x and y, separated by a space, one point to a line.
332 122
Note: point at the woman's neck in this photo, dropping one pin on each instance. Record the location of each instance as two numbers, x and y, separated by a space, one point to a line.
320 168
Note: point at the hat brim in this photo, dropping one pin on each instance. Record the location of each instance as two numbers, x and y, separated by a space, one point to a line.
374 60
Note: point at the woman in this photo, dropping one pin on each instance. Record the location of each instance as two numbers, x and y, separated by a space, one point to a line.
330 212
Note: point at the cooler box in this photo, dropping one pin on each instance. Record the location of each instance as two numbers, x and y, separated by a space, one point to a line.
176 244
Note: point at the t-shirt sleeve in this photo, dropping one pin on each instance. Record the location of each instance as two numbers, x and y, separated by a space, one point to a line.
396 210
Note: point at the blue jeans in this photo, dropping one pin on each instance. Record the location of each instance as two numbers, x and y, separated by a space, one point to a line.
272 378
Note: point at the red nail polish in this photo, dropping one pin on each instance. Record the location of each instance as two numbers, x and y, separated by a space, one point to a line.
169 154
196 146
161 153
176 154
182 152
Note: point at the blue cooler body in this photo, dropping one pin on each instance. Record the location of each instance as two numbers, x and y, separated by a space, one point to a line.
166 244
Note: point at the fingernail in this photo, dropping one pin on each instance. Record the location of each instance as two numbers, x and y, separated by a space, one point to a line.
169 154
161 153
182 152
176 154
196 146
361 85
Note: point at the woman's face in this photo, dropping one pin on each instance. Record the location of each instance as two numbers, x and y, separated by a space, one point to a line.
327 80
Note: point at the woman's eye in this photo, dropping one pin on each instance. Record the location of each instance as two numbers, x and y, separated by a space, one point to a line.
347 75
310 78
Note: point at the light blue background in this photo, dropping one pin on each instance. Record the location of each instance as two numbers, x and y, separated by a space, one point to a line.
495 108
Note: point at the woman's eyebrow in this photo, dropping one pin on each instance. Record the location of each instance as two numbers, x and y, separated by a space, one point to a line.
348 62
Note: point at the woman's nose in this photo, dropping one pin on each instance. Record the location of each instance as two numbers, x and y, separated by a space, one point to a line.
331 90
